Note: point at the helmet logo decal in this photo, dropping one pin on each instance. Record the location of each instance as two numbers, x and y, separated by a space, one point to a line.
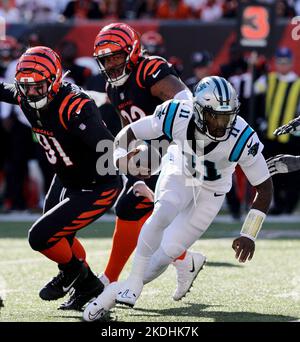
26 79
104 51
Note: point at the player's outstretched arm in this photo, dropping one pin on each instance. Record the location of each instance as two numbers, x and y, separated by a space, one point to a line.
244 246
292 126
169 87
8 93
283 163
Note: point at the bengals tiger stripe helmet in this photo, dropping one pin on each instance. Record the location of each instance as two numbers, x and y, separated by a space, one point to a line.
38 76
116 39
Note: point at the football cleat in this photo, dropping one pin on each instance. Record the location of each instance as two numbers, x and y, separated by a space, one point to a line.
89 289
70 275
187 271
130 292
99 307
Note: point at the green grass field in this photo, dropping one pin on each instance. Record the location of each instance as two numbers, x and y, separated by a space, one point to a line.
265 289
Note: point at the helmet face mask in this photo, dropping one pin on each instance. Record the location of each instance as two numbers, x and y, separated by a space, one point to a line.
215 108
113 67
35 92
112 42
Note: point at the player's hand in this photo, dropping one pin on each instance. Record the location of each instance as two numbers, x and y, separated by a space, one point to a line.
292 126
141 189
123 163
282 163
244 248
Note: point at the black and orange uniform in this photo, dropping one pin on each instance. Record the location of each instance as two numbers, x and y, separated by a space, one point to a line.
69 127
134 101
69 130
131 81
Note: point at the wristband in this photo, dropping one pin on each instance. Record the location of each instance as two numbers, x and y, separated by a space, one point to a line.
252 224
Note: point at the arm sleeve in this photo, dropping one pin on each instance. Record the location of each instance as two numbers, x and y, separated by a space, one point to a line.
8 93
89 127
170 120
147 128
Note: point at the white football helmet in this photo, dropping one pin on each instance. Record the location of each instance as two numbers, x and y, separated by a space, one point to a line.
216 106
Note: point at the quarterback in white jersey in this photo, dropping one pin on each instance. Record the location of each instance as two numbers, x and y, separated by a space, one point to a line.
211 139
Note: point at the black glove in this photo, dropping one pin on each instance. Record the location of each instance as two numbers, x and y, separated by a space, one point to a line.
292 126
283 163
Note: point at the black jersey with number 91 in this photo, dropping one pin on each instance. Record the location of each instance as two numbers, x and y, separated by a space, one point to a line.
69 129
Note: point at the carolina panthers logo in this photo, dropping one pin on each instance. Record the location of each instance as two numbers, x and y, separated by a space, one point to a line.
201 87
159 112
253 149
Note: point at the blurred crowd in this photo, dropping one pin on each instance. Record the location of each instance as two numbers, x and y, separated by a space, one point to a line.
20 11
24 172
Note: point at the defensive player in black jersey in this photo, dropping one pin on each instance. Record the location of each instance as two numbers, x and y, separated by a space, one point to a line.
68 126
135 86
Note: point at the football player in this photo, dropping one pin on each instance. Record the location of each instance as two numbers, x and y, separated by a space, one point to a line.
67 124
285 163
135 86
209 131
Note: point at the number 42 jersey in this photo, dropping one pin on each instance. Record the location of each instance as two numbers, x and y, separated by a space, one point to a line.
212 162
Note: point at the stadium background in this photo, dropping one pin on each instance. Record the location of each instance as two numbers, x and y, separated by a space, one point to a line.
177 36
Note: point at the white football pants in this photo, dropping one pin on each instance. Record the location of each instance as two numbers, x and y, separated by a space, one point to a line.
182 213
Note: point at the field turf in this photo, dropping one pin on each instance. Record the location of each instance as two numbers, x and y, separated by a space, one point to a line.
267 289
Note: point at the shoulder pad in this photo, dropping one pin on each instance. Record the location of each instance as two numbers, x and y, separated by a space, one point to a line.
151 70
244 132
170 109
72 104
